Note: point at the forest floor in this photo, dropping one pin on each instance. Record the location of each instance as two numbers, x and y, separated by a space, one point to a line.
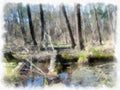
72 67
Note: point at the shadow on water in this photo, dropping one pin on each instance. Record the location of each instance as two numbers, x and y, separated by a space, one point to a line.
40 81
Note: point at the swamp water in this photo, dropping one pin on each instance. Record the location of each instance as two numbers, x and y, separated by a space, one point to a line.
82 76
67 73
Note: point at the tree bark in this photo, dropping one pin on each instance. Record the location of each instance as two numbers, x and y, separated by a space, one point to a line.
84 30
98 27
42 22
22 25
31 25
109 19
15 24
68 25
112 32
80 43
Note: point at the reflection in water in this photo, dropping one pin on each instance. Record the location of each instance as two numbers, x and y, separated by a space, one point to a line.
38 81
65 78
29 82
63 75
82 76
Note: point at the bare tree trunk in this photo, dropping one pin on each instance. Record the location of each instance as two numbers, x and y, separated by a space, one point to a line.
114 24
109 20
68 25
110 25
98 27
6 37
80 43
93 33
84 31
22 25
9 28
31 25
42 22
15 24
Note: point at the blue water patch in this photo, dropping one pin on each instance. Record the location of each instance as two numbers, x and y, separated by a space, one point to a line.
39 81
63 75
29 82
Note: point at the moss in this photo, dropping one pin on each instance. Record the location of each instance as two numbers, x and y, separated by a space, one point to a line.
58 68
99 54
10 66
100 51
13 78
109 56
83 57
10 76
68 56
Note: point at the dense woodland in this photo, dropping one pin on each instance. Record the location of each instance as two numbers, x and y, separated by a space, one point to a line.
60 34
34 24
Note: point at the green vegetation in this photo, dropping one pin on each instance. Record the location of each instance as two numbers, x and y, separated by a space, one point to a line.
64 36
10 67
45 81
99 54
95 54
83 57
68 56
11 76
58 68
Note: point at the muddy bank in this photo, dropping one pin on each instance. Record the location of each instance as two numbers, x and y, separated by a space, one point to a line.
33 68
